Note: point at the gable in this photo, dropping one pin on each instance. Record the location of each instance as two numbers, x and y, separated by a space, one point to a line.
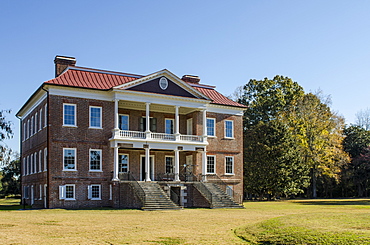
153 86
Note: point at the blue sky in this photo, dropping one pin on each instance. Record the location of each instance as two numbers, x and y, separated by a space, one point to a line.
320 44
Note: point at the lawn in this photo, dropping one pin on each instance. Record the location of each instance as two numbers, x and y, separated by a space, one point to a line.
344 221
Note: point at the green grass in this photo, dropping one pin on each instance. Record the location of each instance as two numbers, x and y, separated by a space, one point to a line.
343 221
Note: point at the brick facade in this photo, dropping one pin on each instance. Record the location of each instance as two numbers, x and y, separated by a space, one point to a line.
47 184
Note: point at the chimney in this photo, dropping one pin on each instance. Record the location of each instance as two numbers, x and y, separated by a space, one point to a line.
62 62
190 79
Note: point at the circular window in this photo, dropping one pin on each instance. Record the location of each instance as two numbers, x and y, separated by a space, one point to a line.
163 83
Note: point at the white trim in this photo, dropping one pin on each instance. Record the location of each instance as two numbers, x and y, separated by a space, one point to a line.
75 115
46 115
100 117
173 163
65 192
233 164
128 162
32 104
75 159
40 161
167 74
89 190
214 126
232 129
214 161
100 160
45 159
151 175
173 125
83 93
128 120
223 109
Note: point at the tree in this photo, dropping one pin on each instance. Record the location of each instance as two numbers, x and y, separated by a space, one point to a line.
10 181
356 173
6 131
319 133
363 119
271 163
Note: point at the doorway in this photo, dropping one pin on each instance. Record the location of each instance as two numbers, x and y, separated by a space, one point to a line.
151 167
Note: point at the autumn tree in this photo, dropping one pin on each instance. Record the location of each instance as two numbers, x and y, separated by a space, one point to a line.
319 134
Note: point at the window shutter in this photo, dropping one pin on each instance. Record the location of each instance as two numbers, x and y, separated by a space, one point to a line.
62 192
89 192
153 124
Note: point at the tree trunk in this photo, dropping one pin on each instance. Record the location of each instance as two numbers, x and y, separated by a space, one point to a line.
314 178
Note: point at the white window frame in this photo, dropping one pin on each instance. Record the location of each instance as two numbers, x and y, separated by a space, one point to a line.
232 129
24 131
32 125
40 192
214 126
28 165
100 160
90 190
28 129
214 166
173 164
189 126
40 122
128 121
36 122
75 160
46 159
40 161
46 115
63 192
75 115
100 117
31 164
173 125
232 166
119 162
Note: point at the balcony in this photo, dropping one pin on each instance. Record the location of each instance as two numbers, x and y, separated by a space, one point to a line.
157 137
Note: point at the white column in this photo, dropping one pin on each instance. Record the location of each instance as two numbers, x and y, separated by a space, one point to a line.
204 112
116 119
204 164
177 121
147 119
177 165
147 164
115 168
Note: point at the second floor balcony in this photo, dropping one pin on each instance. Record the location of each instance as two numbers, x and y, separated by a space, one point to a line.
157 137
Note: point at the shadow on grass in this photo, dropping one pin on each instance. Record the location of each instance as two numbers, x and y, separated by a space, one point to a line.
339 202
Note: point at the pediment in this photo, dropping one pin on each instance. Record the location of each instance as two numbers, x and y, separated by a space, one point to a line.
163 82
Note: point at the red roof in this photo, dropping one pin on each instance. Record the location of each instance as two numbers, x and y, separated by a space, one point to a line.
91 78
216 97
104 80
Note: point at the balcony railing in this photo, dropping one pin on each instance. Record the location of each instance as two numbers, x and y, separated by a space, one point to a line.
137 135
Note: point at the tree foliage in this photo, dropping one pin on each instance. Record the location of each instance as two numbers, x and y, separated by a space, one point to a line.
288 134
6 131
363 119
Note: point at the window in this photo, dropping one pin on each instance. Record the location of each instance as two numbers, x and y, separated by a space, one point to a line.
40 192
69 159
123 163
229 129
28 165
95 160
69 115
211 164
95 117
123 122
67 192
32 125
28 128
40 161
35 162
94 192
189 126
169 164
31 164
152 123
169 126
229 165
36 122
24 132
46 115
40 123
45 159
211 127
24 166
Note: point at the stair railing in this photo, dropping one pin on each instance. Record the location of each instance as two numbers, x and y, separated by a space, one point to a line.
139 191
237 197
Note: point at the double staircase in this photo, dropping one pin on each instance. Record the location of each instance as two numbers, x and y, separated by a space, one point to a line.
216 196
154 198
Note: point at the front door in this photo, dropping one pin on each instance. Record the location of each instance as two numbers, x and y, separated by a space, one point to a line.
151 168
